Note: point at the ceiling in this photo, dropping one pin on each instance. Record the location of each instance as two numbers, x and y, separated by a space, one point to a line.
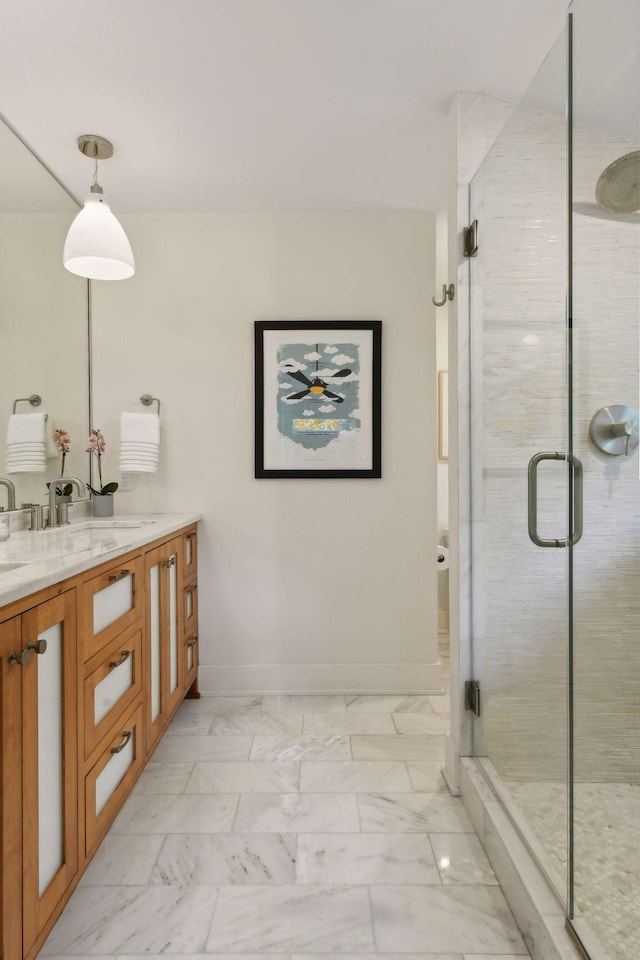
251 105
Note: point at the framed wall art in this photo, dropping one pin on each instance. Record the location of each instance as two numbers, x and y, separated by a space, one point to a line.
317 399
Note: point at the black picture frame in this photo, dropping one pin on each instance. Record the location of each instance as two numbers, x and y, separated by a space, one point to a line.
337 447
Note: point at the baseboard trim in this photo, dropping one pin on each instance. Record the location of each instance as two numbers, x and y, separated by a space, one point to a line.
321 679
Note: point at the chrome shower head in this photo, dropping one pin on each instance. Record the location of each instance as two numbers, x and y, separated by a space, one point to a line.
618 187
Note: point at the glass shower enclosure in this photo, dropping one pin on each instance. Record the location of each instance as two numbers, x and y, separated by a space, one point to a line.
555 498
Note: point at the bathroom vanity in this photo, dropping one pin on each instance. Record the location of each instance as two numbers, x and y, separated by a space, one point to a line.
98 648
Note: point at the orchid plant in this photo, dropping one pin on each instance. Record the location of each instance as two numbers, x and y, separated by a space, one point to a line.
62 442
97 447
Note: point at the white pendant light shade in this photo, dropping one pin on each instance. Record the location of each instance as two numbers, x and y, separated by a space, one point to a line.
96 246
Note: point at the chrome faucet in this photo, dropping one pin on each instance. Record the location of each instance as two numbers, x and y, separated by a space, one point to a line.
60 519
11 493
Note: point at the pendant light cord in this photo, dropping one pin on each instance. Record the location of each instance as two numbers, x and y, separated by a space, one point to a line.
95 186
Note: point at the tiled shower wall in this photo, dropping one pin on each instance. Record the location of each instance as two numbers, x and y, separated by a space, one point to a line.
518 408
607 562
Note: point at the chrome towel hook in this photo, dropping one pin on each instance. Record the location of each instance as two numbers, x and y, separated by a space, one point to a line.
447 294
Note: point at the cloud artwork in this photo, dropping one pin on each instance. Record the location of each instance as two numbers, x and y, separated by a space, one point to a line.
313 369
291 366
342 359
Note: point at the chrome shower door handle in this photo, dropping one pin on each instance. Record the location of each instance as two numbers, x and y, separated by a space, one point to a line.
577 479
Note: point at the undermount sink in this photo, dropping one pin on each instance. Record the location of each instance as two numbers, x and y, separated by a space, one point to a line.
7 565
95 523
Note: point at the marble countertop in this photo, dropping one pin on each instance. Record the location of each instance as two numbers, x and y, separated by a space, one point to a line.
32 561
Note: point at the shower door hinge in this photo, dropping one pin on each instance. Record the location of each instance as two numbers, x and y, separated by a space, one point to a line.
472 696
470 240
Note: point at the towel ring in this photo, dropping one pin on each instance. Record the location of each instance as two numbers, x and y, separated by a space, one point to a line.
34 400
147 400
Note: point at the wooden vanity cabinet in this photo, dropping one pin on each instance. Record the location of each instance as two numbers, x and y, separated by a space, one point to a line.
39 767
91 671
112 773
189 645
163 637
109 602
11 802
113 681
190 552
190 664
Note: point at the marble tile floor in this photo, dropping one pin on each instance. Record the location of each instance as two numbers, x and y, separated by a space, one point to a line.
293 828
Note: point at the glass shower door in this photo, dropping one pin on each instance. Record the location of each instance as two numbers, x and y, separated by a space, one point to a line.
555 395
519 403
605 168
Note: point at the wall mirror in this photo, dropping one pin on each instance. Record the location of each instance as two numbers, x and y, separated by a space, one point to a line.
44 324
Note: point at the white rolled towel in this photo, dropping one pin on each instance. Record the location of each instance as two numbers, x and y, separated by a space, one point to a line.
26 449
139 442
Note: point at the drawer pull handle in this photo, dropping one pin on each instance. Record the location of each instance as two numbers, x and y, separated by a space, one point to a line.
124 656
127 734
38 646
119 576
22 658
192 642
169 563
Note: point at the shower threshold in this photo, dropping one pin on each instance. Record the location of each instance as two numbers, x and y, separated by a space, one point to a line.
533 898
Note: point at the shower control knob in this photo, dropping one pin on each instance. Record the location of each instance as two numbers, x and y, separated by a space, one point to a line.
615 430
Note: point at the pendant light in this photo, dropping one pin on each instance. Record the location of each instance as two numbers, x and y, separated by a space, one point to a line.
96 246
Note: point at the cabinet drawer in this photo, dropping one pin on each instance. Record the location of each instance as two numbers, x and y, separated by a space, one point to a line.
109 603
113 774
112 687
189 552
190 608
190 660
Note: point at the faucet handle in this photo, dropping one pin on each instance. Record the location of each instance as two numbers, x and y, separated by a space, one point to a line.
614 430
36 516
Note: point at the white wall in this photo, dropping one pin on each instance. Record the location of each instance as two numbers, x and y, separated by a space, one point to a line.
442 363
305 585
